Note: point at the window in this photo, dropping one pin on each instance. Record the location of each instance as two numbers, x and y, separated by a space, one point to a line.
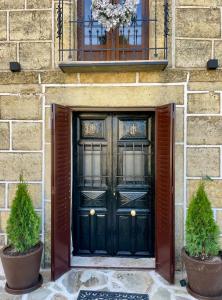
122 43
81 39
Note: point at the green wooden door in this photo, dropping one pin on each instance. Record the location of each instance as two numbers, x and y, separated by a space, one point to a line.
113 184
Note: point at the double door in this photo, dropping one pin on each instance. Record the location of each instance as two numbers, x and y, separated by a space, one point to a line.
113 184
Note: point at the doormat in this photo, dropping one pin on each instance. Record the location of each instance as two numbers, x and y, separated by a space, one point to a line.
94 295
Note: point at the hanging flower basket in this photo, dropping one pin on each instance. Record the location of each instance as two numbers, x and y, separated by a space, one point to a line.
112 15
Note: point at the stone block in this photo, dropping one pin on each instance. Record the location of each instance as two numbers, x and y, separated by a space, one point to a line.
2 240
179 233
3 26
2 195
198 22
35 56
219 219
39 4
213 189
211 3
56 76
204 130
4 136
13 164
169 75
20 107
47 237
205 86
218 51
115 96
26 136
179 174
47 172
11 4
3 220
10 78
7 53
30 25
204 103
205 76
35 191
179 128
48 125
192 53
107 77
203 161
21 89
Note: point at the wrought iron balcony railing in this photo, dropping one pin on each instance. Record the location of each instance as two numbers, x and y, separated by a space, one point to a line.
80 38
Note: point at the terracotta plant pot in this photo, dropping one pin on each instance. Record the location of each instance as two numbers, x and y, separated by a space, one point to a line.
204 278
22 272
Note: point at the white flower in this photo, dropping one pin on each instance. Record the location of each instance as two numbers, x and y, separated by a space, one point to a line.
112 15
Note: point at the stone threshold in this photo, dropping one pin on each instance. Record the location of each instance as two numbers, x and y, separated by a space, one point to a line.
113 262
112 66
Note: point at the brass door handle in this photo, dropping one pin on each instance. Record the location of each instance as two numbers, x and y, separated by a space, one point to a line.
133 213
92 212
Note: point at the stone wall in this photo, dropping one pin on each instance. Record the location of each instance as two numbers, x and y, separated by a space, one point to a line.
25 101
197 34
28 33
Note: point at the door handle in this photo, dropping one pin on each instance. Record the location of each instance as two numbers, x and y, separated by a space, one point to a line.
133 213
92 212
114 194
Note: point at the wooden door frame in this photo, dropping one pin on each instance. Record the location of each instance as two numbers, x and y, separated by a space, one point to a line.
125 109
79 109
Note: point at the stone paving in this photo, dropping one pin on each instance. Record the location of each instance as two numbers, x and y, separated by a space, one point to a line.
67 287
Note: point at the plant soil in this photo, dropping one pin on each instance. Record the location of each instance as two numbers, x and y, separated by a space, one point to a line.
209 259
11 251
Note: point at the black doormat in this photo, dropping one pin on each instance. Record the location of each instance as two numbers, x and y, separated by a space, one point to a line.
94 295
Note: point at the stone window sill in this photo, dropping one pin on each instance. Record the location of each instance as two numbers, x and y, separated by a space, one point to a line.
112 66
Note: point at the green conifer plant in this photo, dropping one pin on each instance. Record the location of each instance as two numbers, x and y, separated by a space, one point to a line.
23 226
202 232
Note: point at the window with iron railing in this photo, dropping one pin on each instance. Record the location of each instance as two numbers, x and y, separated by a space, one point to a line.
81 38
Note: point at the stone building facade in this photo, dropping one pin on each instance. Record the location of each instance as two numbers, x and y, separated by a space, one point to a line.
28 35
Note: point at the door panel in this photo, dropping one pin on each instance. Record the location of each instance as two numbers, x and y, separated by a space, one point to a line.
92 195
123 233
165 263
115 181
143 228
133 183
61 190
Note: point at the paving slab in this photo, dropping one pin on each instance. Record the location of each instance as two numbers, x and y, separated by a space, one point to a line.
68 286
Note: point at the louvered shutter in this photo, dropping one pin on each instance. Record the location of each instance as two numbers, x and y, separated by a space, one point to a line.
61 190
165 261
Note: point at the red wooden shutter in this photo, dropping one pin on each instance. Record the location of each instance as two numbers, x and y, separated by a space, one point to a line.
165 261
61 190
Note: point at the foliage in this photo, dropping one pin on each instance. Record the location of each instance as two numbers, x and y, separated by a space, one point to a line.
23 226
202 232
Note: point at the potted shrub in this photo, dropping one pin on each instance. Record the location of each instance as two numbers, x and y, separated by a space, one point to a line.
22 257
201 255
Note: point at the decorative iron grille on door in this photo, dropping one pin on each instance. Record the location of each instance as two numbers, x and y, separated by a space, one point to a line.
81 38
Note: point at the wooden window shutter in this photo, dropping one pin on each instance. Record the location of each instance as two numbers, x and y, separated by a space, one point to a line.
165 256
61 190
